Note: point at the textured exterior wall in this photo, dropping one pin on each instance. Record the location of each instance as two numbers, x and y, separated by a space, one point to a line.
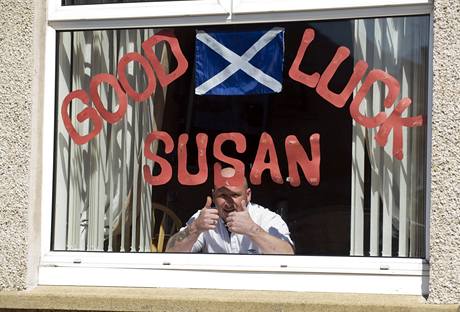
445 196
18 99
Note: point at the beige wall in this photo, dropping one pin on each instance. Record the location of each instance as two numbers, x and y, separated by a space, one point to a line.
21 43
445 196
21 52
15 144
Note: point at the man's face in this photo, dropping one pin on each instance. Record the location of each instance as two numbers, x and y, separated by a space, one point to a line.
229 198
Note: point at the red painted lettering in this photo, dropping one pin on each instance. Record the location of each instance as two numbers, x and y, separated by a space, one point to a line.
294 71
87 113
339 100
396 122
151 82
296 155
266 147
393 92
184 177
166 169
238 165
122 100
182 64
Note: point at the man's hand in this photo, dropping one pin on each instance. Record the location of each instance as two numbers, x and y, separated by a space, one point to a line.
208 218
240 222
184 240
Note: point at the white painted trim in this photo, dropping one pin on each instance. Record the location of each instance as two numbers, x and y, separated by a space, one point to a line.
299 273
207 12
248 16
429 150
311 282
266 263
48 139
260 6
145 14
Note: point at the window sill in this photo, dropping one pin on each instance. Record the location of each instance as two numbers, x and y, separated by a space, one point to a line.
164 299
242 272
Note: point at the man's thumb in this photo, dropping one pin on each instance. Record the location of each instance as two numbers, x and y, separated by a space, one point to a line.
208 202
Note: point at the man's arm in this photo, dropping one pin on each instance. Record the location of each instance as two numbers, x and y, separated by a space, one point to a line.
268 243
184 240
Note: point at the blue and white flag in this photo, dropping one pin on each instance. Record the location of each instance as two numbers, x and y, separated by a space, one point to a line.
239 62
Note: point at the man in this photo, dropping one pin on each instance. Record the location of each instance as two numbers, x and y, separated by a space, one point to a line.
235 225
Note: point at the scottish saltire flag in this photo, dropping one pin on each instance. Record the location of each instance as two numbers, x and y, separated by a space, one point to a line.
239 62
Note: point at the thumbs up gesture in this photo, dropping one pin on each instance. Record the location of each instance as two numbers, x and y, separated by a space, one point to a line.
240 221
208 218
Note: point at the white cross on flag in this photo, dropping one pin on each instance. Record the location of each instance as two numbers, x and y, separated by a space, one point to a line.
239 62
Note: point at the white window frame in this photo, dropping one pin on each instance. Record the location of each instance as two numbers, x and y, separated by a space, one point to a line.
264 272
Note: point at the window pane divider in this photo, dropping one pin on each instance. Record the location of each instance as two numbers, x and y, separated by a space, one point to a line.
270 263
211 12
132 15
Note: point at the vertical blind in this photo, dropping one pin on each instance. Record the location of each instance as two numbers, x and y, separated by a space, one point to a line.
396 202
101 200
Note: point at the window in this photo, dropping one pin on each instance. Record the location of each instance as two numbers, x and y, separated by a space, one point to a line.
364 193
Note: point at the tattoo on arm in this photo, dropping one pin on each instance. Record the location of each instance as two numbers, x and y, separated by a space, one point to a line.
179 237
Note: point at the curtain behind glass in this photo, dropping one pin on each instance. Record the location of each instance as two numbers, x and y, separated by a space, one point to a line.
395 210
102 202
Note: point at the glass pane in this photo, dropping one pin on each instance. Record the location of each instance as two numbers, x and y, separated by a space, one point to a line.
365 197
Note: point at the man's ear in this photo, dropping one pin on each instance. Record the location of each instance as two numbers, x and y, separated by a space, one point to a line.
248 195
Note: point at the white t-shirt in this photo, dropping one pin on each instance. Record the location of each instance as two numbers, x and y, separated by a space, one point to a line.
220 240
